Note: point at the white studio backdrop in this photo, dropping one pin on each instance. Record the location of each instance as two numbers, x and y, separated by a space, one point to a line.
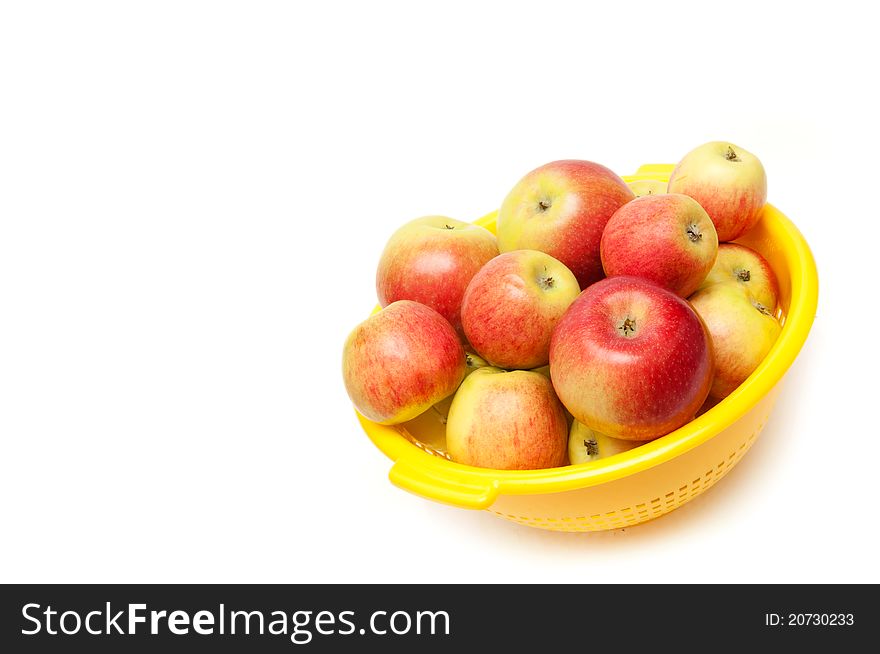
193 199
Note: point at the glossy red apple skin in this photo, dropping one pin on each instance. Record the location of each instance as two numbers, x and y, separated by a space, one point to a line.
431 260
513 303
561 208
631 359
668 239
401 361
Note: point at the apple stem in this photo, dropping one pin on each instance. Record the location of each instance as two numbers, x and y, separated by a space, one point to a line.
731 154
760 307
628 327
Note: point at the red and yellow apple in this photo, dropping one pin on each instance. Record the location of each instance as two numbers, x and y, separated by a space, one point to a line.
513 303
727 181
667 239
585 444
561 208
401 361
630 359
743 330
431 260
507 420
739 265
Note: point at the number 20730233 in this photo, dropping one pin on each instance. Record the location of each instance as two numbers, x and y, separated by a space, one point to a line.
809 619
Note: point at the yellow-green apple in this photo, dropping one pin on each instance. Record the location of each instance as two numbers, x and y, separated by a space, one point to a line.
512 304
585 444
739 265
667 239
507 420
561 208
401 361
643 187
431 260
727 181
630 359
743 331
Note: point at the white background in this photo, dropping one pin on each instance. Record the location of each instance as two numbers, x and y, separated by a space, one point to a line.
193 199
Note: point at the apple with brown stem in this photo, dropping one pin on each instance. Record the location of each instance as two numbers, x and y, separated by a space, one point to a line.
513 303
728 181
667 239
630 359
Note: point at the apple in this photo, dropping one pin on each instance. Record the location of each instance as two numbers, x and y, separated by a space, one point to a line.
743 331
667 239
585 444
630 359
431 260
512 304
561 208
508 421
643 187
727 181
401 361
742 266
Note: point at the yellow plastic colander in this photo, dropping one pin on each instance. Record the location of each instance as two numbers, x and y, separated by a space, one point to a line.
650 480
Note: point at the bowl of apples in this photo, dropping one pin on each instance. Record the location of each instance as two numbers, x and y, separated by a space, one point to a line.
595 353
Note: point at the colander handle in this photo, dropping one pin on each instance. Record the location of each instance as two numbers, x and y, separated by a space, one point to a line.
443 486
